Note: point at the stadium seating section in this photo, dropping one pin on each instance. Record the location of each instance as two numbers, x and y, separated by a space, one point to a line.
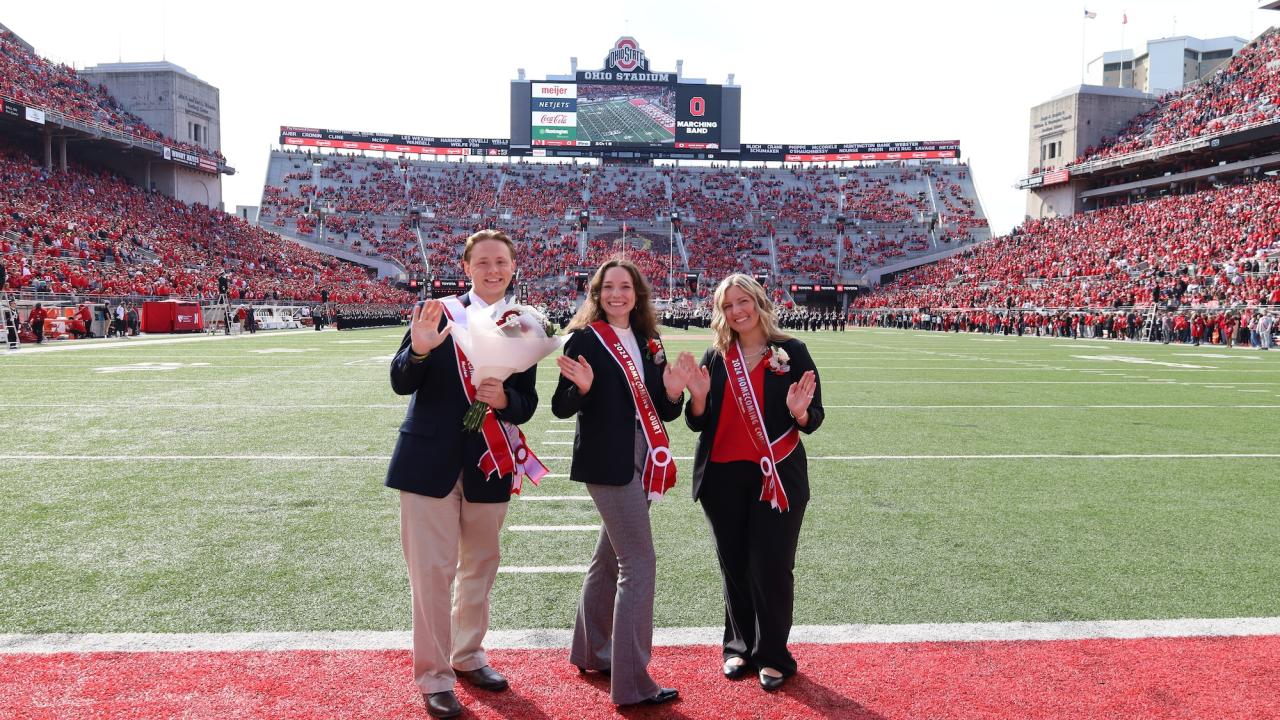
777 221
1209 247
1243 93
37 82
92 233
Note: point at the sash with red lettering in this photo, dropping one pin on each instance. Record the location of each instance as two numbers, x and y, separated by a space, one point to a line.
771 453
659 473
507 452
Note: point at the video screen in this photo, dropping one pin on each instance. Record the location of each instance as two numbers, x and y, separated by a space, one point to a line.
626 114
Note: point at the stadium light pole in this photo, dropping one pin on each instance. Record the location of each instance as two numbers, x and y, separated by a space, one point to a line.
672 219
840 226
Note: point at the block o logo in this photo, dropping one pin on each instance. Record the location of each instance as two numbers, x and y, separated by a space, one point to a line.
626 55
697 106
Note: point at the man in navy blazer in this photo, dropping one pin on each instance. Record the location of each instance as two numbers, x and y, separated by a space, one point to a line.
450 512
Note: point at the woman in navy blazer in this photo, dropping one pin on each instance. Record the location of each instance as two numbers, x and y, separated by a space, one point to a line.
624 466
755 524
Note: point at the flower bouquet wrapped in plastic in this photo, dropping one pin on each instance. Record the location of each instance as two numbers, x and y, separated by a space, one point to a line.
500 347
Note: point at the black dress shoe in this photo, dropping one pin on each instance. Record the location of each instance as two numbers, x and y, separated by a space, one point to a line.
664 695
485 678
736 672
770 683
603 671
442 704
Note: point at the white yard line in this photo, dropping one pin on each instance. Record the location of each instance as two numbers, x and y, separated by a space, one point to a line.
559 638
543 569
550 498
554 528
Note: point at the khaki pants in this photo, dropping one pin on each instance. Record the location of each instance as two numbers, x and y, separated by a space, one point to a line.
447 539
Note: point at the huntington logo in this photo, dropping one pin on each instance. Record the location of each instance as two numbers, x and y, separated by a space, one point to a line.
626 56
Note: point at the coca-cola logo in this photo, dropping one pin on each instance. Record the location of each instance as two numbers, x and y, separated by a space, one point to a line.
556 119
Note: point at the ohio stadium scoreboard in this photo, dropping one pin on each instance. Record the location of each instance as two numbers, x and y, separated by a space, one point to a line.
626 107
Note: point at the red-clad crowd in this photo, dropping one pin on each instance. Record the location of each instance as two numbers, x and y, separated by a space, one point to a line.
1199 248
1239 94
90 232
727 217
36 82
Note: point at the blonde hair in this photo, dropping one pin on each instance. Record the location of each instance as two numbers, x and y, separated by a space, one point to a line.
726 336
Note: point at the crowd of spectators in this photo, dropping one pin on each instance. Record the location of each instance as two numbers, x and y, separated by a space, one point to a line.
1244 327
1241 93
88 232
778 221
1214 247
37 82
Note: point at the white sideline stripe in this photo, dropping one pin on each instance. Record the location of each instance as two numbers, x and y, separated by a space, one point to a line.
1055 407
557 638
556 442
1154 381
570 432
554 528
554 497
384 458
118 343
543 569
206 406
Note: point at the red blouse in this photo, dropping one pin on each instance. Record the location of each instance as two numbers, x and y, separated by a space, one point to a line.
733 440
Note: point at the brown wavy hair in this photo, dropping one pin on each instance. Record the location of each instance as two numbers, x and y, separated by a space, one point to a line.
644 319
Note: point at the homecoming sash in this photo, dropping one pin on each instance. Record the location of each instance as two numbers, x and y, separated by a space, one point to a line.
507 452
659 473
771 453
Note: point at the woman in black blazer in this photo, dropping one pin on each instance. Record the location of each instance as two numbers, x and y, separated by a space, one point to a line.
751 476
616 380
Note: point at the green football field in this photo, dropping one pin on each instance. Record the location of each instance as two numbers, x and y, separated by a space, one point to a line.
235 484
619 121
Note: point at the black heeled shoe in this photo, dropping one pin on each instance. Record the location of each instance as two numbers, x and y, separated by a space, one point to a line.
664 695
603 671
735 671
769 683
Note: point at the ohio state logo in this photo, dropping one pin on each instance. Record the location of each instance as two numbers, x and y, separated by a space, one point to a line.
627 56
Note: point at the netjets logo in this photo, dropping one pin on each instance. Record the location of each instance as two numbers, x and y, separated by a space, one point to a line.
626 56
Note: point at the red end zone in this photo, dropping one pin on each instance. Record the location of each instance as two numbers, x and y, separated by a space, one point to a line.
1205 677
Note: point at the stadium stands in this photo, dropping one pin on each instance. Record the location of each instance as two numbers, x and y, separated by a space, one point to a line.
37 82
778 221
1240 94
1193 247
90 232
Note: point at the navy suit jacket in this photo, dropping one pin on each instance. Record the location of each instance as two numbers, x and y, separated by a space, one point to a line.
605 443
433 447
794 471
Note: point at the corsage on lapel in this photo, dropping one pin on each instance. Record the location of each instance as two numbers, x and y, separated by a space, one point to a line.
654 351
779 361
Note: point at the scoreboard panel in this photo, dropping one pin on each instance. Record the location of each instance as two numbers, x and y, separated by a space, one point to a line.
682 116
